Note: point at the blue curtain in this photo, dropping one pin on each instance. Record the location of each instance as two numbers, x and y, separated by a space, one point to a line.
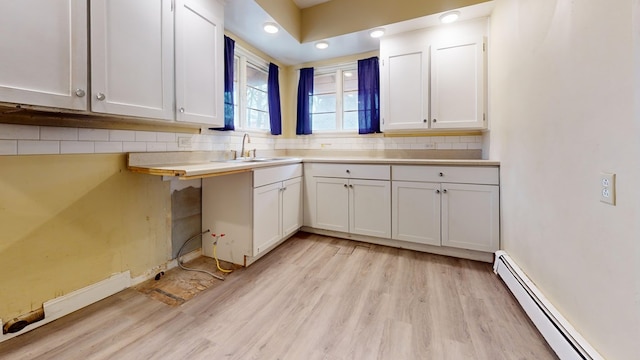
368 96
273 93
229 47
305 97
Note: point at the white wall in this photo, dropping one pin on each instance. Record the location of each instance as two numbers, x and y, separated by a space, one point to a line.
563 86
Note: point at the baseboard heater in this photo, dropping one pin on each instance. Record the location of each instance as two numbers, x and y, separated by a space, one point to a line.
559 334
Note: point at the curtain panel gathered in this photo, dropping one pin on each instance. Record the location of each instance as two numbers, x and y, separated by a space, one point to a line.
305 99
368 96
229 48
273 93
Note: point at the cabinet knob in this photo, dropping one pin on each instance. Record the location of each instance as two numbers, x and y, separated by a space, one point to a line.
284 188
80 93
441 174
424 120
345 185
100 96
182 110
444 191
435 120
437 191
351 186
348 171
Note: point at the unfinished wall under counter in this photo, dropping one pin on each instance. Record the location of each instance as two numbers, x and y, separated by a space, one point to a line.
69 221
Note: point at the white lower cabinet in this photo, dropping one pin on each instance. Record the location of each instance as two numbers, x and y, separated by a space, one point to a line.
464 214
356 201
255 210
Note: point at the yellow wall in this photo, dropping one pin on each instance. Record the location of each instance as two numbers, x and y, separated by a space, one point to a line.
69 221
339 17
286 13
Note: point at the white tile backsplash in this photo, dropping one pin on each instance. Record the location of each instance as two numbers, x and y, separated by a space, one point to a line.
26 139
8 147
19 132
33 147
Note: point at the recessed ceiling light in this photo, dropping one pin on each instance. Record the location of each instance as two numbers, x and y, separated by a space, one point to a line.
449 17
271 28
322 45
376 33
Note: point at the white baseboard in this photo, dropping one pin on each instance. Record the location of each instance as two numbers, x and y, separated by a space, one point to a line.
150 274
76 300
561 336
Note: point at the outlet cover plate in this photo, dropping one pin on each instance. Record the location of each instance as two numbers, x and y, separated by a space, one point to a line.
608 188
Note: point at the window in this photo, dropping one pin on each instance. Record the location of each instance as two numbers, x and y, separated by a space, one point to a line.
251 106
335 99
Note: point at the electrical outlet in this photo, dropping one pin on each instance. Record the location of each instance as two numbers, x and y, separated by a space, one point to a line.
184 141
608 188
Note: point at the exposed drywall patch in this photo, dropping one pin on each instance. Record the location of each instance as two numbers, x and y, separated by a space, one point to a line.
186 211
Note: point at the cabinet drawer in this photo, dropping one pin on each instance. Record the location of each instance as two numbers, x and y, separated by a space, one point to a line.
450 174
274 174
351 171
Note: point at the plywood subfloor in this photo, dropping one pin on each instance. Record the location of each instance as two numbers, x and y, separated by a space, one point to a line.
177 286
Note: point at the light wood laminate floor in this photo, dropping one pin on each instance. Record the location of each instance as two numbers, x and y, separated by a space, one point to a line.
314 297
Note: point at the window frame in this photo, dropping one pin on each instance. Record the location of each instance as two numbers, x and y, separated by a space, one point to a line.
339 71
246 58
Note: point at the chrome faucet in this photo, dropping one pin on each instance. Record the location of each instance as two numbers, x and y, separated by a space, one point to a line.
245 136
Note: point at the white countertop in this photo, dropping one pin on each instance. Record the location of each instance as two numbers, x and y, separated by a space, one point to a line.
184 167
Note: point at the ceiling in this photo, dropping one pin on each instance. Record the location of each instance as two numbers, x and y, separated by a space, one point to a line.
302 4
245 19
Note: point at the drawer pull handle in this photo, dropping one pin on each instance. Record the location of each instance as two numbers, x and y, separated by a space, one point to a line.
441 174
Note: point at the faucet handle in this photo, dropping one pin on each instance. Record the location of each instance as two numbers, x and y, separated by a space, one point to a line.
235 154
254 152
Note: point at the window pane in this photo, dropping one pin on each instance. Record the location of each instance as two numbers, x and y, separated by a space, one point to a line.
257 119
257 99
323 84
350 101
324 121
256 78
324 104
350 80
350 120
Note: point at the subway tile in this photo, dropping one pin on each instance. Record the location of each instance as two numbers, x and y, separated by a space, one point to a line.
58 133
173 146
33 147
459 146
122 135
93 135
76 147
132 146
452 139
8 147
19 132
474 146
469 139
166 136
146 136
156 146
444 146
108 147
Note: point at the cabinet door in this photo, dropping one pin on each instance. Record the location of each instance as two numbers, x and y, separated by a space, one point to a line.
291 206
405 96
370 207
267 207
457 84
470 216
331 204
44 53
132 58
199 49
415 212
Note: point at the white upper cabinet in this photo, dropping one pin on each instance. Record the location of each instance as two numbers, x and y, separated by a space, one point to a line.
199 47
457 84
132 58
405 85
43 60
434 78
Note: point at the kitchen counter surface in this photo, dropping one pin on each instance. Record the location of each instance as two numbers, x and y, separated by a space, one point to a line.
198 165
